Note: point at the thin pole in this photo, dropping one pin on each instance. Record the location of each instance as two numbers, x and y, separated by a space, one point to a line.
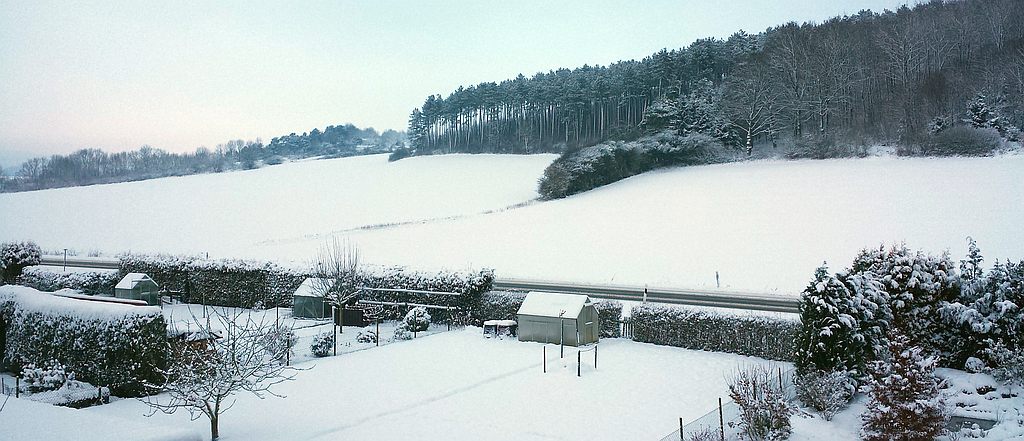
595 358
377 322
680 428
578 363
65 259
545 362
721 419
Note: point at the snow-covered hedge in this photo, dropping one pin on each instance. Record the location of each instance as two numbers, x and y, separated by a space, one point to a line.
609 313
765 337
241 283
470 286
496 306
105 344
89 282
247 283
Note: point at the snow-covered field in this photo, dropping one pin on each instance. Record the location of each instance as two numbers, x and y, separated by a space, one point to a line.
460 386
762 225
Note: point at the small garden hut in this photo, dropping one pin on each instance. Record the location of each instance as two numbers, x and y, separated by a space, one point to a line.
552 318
138 286
308 300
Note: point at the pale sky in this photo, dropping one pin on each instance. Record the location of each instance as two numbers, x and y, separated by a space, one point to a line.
179 74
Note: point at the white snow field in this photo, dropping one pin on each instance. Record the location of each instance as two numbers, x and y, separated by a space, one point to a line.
460 386
763 225
22 419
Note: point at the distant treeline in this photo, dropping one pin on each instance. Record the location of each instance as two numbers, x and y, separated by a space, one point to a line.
94 166
869 77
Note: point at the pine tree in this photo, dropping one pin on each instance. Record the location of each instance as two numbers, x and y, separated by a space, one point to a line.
917 285
905 402
978 113
829 338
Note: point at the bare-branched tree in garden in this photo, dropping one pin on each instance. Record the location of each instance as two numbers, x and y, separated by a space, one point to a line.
337 272
232 354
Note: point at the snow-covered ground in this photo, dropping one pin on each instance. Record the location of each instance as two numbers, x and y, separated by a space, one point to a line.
22 419
762 225
460 386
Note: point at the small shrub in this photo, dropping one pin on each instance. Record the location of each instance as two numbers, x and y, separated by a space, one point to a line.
367 335
764 410
826 392
609 314
704 434
417 319
15 256
905 401
279 342
963 141
402 333
824 148
323 344
399 154
52 376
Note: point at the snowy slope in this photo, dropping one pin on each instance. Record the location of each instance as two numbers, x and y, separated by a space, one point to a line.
227 214
763 225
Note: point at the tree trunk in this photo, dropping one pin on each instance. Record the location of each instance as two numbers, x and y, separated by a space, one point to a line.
750 145
214 431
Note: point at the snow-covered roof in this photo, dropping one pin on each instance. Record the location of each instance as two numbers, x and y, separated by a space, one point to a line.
310 287
549 304
131 279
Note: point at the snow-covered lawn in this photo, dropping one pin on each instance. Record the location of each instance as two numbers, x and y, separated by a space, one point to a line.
762 225
22 419
460 386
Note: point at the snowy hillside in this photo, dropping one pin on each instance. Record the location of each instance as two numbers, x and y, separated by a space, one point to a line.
227 214
763 226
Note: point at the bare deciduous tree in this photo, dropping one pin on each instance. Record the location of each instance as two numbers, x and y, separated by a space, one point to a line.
230 356
337 271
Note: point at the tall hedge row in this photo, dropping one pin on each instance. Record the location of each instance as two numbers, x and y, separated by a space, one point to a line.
765 337
119 346
241 283
89 282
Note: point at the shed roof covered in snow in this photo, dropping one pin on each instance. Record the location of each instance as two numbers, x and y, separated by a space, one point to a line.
131 280
311 287
549 304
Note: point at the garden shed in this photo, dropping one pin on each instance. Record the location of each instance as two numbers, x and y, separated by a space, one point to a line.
138 286
308 300
551 317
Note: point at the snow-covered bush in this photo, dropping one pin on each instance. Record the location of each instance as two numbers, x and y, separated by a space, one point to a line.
829 337
591 167
322 344
367 335
280 342
826 392
496 306
990 309
764 409
1007 364
50 376
119 346
765 337
89 282
402 333
917 285
963 141
905 400
15 256
417 319
609 313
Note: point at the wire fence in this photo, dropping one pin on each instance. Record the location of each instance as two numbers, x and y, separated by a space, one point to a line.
722 422
72 394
